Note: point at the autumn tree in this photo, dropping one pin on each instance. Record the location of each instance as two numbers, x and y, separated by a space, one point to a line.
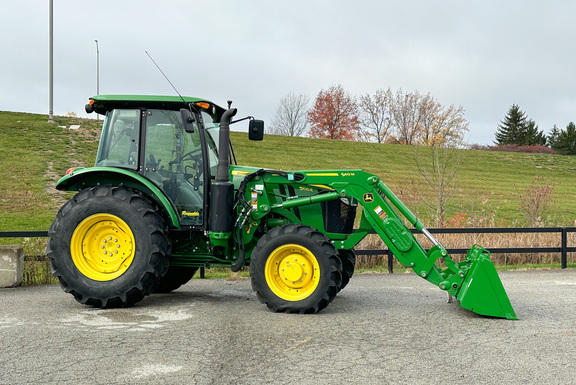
334 115
442 126
376 116
291 118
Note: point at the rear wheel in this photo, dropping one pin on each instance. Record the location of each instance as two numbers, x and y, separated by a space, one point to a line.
294 268
174 278
348 258
108 247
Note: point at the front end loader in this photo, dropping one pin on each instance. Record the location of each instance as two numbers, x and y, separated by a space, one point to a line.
164 199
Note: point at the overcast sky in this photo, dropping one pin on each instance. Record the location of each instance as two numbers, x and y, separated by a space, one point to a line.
484 56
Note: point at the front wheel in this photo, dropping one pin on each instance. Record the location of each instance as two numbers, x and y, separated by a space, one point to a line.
295 269
108 247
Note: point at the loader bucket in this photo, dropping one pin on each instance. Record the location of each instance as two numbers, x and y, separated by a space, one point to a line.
482 291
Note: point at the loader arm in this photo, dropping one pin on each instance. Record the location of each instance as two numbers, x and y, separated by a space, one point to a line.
474 281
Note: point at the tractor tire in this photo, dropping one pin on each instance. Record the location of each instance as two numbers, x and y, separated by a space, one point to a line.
348 258
174 278
108 247
295 269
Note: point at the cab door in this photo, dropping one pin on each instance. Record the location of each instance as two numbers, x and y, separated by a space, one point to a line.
173 159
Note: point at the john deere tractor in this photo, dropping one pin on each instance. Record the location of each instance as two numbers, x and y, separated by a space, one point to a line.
165 198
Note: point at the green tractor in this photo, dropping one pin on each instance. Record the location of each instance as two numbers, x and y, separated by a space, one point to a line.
164 200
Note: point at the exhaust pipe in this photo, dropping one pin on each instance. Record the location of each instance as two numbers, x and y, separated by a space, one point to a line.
222 191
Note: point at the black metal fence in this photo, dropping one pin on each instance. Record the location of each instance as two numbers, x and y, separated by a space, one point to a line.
562 248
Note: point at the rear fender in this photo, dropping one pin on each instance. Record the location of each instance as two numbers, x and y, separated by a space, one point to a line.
81 178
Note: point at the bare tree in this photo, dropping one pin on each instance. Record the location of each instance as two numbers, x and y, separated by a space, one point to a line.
536 199
291 118
376 116
438 165
406 114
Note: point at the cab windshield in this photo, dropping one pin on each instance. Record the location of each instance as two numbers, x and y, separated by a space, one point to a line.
120 137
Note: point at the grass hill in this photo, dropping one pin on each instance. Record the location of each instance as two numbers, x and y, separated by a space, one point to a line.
34 154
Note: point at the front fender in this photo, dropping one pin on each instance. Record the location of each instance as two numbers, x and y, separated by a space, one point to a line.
81 178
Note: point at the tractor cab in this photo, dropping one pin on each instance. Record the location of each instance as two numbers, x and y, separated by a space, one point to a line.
172 144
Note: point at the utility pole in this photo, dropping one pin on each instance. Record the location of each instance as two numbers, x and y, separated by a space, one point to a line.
51 63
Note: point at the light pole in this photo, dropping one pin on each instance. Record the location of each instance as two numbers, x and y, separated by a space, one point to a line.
97 72
97 68
51 64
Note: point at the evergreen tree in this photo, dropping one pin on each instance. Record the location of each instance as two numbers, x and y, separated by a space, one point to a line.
554 137
510 129
531 136
517 129
564 141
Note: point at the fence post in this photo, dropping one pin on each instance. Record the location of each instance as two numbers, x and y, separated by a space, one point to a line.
564 255
390 261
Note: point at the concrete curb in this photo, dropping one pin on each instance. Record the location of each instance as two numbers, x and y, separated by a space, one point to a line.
11 265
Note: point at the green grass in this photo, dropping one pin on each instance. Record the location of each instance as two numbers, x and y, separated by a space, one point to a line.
35 154
484 184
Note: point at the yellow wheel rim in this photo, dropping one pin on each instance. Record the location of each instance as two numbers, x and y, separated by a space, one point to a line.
292 272
102 247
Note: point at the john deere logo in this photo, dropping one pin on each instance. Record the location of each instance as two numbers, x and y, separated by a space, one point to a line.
368 198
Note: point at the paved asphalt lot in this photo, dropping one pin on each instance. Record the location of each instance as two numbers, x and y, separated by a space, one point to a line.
381 329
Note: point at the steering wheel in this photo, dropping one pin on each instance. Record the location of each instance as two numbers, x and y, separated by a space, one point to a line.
195 155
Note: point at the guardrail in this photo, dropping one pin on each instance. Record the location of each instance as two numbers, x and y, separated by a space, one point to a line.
563 248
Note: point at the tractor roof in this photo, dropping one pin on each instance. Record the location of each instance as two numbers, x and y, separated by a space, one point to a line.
103 103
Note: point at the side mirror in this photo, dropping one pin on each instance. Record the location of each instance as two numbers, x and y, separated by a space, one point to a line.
256 130
188 120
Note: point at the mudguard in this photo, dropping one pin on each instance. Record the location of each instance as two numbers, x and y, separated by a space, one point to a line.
79 178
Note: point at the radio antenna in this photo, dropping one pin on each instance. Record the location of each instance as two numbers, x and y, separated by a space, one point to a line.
162 72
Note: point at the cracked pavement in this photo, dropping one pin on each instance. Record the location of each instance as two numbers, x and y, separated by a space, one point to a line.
381 329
